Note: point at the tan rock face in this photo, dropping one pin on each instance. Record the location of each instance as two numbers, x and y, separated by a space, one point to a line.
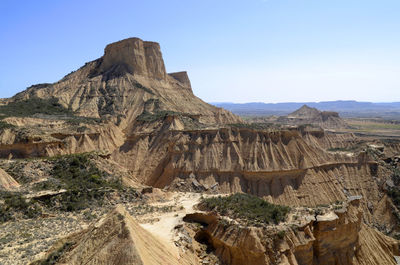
335 238
279 166
115 239
7 182
183 78
58 139
139 57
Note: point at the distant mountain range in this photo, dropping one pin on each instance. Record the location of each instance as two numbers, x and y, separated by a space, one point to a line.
346 108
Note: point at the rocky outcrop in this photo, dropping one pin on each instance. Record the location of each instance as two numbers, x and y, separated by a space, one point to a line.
333 238
115 239
7 182
42 140
183 78
307 115
279 166
136 56
334 141
283 167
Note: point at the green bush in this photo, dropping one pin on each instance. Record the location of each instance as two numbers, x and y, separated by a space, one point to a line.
281 234
14 204
4 125
247 207
85 184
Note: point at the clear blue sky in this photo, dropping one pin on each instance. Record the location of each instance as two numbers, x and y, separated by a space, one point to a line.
237 51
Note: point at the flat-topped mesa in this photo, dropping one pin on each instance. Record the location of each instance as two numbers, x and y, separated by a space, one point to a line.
137 56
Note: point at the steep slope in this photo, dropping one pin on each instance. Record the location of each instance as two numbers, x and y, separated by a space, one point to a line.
128 80
152 127
7 182
115 239
335 237
284 167
305 112
41 137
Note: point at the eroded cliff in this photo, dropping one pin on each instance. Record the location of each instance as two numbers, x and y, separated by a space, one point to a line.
334 237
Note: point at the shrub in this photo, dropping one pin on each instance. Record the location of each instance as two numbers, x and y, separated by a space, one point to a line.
281 234
15 203
84 182
4 125
247 207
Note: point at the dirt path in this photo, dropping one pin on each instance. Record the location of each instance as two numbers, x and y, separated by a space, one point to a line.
164 228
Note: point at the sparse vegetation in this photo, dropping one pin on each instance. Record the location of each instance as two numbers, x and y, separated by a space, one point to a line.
281 234
304 127
16 205
29 107
4 125
85 184
44 107
247 207
253 126
344 149
159 115
56 255
394 193
148 90
77 120
16 171
153 101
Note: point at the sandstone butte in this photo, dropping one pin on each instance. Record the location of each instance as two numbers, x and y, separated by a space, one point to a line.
307 115
151 125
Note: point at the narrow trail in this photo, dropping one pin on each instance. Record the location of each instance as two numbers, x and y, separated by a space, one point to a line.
164 228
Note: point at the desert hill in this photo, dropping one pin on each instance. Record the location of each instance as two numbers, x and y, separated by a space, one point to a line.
308 115
115 239
129 80
346 108
121 130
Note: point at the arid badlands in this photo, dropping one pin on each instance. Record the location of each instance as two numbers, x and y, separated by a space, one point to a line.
120 163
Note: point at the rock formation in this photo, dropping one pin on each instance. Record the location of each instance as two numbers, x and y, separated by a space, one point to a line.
307 115
130 75
115 239
337 237
149 125
7 182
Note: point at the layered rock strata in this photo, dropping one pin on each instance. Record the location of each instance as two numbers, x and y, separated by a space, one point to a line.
338 237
